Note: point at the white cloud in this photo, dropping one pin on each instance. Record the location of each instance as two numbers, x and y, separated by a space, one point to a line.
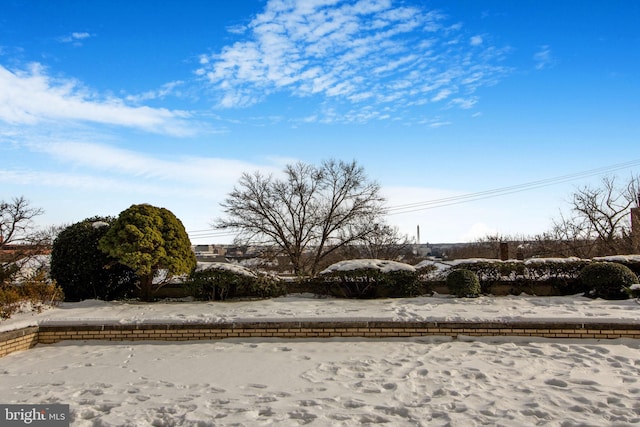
478 231
165 90
101 158
31 97
74 38
476 41
352 52
80 36
237 29
543 58
438 124
105 179
464 103
75 181
443 94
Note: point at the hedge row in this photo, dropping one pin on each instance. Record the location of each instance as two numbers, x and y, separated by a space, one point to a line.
381 278
222 281
548 276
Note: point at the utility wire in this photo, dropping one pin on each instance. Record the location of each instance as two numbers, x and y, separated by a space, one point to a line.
448 201
208 234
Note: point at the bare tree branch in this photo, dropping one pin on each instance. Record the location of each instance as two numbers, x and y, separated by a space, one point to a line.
309 214
16 221
600 224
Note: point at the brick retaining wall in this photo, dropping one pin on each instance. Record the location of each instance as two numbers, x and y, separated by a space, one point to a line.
49 333
323 329
18 340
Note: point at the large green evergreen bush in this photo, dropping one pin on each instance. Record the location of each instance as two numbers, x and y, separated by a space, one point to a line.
85 272
607 280
149 240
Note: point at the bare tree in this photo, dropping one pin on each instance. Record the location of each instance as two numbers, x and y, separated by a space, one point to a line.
16 221
569 236
310 213
16 232
385 242
599 223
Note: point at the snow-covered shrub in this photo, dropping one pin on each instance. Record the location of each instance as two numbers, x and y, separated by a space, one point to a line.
9 302
370 278
429 269
561 273
633 291
492 271
221 281
218 281
40 291
487 270
631 261
36 290
607 280
265 285
463 283
543 268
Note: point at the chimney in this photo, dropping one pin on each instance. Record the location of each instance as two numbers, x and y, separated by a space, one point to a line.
504 251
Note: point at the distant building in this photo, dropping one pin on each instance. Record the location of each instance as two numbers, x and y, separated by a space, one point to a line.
210 250
14 252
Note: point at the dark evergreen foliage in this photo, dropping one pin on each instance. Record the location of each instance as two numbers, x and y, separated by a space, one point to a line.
85 272
222 284
607 280
463 283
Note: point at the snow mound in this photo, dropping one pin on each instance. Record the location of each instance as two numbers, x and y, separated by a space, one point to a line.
552 260
224 266
619 258
385 266
439 265
473 261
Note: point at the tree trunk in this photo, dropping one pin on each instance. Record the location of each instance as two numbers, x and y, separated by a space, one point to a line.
146 288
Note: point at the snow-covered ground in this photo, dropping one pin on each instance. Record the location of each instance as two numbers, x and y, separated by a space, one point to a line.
336 382
309 307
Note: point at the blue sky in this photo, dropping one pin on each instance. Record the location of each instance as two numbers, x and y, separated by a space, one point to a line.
108 103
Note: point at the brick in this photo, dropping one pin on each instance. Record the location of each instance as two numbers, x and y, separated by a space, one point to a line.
46 334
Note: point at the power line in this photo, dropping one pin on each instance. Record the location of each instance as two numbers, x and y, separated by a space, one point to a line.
448 201
208 234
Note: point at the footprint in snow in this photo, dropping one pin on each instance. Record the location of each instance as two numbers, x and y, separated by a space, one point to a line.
556 383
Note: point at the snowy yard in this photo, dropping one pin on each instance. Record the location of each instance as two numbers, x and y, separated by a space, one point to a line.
334 382
308 307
